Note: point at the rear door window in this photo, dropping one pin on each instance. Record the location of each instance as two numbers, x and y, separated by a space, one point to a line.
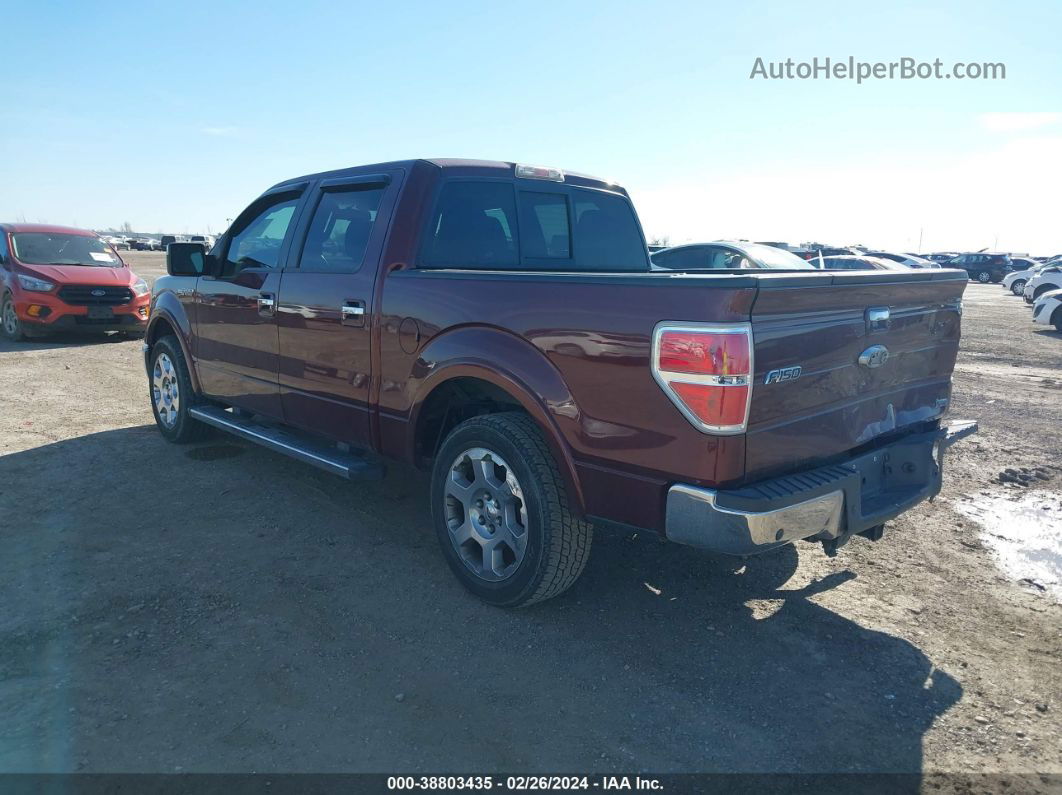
473 226
339 231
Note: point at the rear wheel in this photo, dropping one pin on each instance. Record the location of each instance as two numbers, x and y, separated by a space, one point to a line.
984 277
1056 319
502 515
1018 287
10 325
170 387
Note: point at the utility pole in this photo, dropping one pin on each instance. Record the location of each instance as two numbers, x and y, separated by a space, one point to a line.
920 229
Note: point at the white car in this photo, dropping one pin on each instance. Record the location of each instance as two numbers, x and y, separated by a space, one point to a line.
1015 282
910 260
1047 311
1049 278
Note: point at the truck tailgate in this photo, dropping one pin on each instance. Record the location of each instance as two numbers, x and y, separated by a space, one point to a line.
875 351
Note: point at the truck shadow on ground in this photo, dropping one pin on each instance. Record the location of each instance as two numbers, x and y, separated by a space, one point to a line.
243 612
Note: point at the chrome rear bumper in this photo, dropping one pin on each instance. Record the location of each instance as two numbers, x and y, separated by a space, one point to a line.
824 504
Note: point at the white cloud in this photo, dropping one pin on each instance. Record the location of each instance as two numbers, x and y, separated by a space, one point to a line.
1017 122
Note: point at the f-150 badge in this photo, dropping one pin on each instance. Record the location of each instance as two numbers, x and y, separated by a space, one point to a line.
782 374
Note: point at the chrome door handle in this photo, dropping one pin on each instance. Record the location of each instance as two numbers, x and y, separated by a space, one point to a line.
266 304
352 314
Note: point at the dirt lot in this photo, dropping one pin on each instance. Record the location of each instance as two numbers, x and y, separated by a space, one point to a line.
222 608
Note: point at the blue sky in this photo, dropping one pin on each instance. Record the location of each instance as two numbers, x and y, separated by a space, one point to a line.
174 116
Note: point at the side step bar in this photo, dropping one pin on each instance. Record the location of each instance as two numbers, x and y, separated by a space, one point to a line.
349 465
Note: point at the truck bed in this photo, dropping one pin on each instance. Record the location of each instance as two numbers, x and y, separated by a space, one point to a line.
627 439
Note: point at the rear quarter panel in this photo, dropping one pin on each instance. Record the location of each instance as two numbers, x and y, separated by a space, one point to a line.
627 441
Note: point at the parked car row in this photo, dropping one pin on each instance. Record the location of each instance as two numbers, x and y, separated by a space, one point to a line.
1040 286
154 244
740 254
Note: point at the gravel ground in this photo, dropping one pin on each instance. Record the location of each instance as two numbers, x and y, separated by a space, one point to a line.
222 608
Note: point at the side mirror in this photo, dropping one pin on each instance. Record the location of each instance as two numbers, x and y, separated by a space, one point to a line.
185 259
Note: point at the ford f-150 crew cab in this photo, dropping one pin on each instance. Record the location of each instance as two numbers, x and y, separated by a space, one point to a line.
499 324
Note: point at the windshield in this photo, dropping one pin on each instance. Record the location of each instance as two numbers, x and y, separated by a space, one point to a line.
771 257
54 248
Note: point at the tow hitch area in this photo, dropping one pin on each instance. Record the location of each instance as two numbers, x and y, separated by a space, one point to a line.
895 481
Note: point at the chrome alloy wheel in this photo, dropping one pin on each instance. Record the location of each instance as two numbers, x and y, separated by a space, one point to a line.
165 391
10 318
486 514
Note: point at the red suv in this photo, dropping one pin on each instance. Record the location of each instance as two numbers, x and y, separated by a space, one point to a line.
54 278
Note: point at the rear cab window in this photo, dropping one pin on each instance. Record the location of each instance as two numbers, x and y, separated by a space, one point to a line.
510 225
607 236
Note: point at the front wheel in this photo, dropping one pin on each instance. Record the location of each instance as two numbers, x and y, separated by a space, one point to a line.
501 512
984 277
170 387
10 325
1018 287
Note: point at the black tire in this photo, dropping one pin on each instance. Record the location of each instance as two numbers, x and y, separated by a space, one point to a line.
183 429
1043 288
1018 287
557 541
984 277
12 331
1056 319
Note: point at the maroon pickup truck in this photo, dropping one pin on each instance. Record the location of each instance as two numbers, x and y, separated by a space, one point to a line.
501 325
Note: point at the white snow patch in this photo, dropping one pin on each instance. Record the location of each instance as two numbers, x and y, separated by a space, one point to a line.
1024 533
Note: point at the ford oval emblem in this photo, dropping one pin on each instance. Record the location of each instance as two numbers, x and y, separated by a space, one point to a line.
97 293
874 356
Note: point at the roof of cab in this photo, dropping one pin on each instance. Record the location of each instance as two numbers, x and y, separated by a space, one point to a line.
48 229
465 166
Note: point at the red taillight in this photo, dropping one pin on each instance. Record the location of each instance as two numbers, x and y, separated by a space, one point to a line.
707 373
703 354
